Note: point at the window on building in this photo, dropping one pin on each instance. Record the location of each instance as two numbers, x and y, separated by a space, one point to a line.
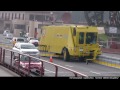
2 15
20 26
47 18
31 17
19 16
15 16
5 15
9 16
23 16
12 16
40 17
28 28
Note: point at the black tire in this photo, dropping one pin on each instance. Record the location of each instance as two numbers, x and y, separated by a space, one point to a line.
66 56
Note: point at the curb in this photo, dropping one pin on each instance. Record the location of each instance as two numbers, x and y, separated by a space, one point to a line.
108 61
107 64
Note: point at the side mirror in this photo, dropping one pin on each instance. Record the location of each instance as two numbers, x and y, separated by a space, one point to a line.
16 60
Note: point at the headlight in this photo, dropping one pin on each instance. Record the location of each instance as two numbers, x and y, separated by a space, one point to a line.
40 64
23 65
38 53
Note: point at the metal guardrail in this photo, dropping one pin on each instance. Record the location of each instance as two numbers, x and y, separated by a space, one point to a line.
109 59
107 44
22 72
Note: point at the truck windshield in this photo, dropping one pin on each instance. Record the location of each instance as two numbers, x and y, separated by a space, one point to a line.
91 38
28 47
20 40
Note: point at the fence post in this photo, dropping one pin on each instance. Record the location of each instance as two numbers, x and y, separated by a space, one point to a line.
11 58
19 64
42 69
107 44
75 74
3 55
56 71
29 66
0 55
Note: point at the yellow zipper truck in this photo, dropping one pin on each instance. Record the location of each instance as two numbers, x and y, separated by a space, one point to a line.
70 40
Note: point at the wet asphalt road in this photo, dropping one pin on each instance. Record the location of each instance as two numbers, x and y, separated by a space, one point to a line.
91 69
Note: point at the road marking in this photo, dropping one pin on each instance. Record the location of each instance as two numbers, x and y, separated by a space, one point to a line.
49 71
69 65
95 72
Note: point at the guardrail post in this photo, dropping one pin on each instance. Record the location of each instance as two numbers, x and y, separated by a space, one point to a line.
11 58
3 55
0 55
19 63
29 66
56 71
75 74
42 69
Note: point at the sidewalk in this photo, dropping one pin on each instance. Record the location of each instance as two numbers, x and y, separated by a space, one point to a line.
111 51
111 55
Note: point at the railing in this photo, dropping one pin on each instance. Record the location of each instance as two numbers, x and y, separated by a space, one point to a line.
110 44
111 61
6 54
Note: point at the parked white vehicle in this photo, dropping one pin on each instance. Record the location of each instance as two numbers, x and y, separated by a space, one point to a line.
27 48
29 38
9 36
6 32
18 39
34 42
27 35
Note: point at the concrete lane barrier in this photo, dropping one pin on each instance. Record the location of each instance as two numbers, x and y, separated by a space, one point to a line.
108 61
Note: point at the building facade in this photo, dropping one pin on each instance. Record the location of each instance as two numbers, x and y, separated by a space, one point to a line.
20 21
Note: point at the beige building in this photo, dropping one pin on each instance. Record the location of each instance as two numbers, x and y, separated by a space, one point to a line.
25 21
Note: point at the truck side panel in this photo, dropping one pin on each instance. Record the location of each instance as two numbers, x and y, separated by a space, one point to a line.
53 38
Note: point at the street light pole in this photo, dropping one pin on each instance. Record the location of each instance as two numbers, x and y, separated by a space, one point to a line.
52 17
42 18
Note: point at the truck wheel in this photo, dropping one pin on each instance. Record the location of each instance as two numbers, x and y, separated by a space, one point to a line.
66 56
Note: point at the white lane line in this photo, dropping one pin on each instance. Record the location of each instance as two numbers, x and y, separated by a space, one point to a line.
95 72
49 71
69 65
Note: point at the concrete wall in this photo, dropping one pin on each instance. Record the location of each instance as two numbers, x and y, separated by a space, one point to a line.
34 24
16 32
